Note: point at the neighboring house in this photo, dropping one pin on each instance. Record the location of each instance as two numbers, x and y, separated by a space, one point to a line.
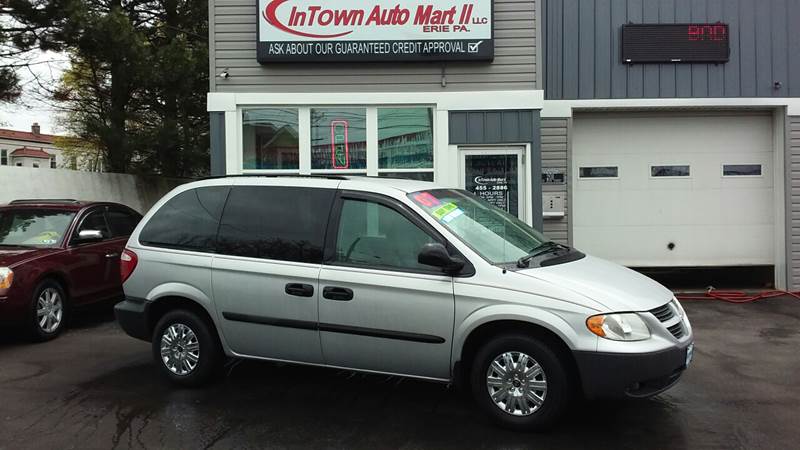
32 157
30 149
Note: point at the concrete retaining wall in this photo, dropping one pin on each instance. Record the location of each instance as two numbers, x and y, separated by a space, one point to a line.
138 192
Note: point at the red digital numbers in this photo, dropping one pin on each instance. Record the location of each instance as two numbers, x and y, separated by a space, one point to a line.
707 32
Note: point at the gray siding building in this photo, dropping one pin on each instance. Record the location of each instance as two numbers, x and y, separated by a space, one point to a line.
677 164
654 133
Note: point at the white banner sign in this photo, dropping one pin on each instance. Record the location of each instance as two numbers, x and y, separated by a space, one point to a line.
374 30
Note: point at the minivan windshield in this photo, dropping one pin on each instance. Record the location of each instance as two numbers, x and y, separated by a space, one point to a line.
40 228
496 235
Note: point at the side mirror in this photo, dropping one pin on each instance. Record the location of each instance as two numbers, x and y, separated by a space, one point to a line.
85 236
435 254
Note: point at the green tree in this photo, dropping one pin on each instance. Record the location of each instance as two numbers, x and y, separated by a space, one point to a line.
176 94
80 154
137 81
9 78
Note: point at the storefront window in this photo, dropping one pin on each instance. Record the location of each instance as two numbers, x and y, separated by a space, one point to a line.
338 138
405 138
271 139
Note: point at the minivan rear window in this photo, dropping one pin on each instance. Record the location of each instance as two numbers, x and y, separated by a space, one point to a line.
275 222
188 221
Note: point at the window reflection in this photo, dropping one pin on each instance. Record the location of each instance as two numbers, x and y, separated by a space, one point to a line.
405 138
270 139
34 228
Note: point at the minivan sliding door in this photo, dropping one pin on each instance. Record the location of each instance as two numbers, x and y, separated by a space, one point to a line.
265 273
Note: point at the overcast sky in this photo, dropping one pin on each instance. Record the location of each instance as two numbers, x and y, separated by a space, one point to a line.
31 107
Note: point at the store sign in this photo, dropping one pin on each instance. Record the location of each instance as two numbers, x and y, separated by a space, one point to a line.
374 30
493 190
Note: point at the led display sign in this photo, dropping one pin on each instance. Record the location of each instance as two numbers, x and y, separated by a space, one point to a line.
675 43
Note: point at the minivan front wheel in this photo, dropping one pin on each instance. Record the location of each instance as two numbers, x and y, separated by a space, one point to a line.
520 382
186 349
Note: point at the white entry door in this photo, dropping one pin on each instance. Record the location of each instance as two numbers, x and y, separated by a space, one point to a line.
496 176
674 189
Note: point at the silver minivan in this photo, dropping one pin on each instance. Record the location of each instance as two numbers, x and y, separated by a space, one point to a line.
394 277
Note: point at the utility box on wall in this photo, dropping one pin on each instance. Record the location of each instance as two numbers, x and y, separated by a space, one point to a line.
553 206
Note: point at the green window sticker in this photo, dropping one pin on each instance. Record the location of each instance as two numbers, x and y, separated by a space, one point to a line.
444 210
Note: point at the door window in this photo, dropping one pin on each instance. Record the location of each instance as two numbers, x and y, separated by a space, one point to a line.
599 172
188 221
96 220
375 236
670 171
272 222
493 178
741 170
122 222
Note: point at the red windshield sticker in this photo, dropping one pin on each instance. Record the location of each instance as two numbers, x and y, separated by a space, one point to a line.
426 199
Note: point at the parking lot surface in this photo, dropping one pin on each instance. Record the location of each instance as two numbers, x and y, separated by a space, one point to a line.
95 387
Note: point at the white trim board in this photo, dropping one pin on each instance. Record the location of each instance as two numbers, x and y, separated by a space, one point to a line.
450 101
565 108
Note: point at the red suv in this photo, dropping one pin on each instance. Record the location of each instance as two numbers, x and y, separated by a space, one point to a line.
58 254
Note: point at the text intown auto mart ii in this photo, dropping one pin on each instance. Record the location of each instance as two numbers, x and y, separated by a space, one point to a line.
310 32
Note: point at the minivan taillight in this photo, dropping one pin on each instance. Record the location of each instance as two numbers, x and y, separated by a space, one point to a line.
127 262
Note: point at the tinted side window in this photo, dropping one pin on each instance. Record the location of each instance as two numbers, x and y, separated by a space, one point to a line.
272 222
96 221
376 236
188 221
122 222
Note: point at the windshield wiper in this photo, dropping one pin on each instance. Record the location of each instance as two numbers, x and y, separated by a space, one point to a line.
546 247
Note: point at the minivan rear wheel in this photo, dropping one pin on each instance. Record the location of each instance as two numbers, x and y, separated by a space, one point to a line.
520 382
186 348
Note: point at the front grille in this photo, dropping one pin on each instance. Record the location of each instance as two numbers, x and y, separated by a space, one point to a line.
663 313
676 330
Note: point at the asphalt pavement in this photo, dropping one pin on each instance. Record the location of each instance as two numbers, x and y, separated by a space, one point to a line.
95 387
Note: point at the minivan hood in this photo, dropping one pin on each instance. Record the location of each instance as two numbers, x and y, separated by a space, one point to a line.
616 287
9 256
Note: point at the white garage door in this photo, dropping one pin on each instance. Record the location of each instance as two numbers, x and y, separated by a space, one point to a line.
674 190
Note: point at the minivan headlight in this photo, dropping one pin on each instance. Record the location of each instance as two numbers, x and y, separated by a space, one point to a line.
6 277
619 327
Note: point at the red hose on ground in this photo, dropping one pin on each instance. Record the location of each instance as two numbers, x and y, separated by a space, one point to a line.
736 296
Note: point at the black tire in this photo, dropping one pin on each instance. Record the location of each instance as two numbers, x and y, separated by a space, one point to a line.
556 398
36 332
209 356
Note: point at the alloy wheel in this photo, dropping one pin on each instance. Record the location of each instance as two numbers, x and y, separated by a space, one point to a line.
180 349
49 310
516 383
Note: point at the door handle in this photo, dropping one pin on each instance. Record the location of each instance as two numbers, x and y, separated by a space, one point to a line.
300 290
112 255
337 293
